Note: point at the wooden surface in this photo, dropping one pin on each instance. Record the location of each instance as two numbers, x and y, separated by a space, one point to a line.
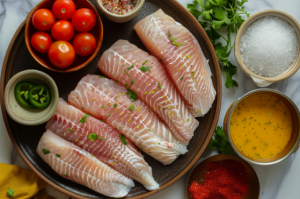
25 138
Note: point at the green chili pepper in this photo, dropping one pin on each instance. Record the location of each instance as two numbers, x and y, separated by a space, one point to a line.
21 93
39 96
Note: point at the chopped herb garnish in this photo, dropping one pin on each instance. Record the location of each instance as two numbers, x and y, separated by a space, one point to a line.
71 130
101 76
65 174
82 120
132 82
131 108
101 120
126 84
108 115
130 67
10 192
122 137
145 62
131 95
187 56
145 68
182 77
45 151
94 99
173 39
115 105
159 85
116 82
126 73
103 106
57 155
93 136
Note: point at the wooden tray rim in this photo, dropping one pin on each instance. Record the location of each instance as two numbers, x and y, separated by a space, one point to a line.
191 164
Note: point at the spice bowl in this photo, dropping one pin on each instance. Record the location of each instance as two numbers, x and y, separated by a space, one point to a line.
293 142
25 115
263 81
79 61
121 18
199 171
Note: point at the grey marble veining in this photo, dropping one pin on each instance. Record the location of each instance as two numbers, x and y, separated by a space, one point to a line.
280 181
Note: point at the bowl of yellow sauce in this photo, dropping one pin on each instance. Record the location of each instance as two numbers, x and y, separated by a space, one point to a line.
263 126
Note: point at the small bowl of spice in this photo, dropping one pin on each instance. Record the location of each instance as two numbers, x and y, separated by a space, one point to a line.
222 176
263 126
267 47
120 11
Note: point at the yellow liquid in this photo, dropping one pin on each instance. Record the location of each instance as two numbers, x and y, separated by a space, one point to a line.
261 126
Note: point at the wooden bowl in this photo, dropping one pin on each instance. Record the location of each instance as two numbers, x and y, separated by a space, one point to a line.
293 143
262 81
121 18
199 172
80 61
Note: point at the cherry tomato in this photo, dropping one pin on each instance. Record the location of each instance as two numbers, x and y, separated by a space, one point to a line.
84 43
84 20
61 54
43 19
63 9
62 30
41 41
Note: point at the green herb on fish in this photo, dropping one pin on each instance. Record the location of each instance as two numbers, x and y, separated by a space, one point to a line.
145 68
131 108
159 85
122 137
103 106
126 73
45 151
173 39
145 62
93 136
57 155
131 95
71 130
115 105
101 76
182 77
130 67
82 120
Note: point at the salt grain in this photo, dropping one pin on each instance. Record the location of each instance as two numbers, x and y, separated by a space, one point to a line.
269 46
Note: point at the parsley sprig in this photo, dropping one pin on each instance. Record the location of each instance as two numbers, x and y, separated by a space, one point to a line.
220 142
214 15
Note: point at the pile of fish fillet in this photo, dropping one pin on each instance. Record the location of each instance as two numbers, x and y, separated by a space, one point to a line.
149 100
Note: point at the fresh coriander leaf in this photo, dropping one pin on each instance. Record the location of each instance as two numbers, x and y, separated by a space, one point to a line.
65 174
71 130
145 68
45 151
93 136
191 8
182 77
131 108
122 137
213 144
130 67
173 39
220 142
207 14
57 155
82 120
101 76
221 52
108 115
115 105
145 62
126 84
131 95
126 73
159 85
10 192
217 24
230 83
103 106
131 83
101 120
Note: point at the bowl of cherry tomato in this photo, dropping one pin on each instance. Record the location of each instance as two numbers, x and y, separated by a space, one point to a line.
64 35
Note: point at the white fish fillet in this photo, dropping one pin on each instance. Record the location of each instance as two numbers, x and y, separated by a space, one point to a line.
186 64
112 151
122 62
79 166
106 99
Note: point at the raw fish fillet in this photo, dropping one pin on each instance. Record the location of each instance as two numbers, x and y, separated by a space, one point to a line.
107 100
186 64
79 166
112 151
154 87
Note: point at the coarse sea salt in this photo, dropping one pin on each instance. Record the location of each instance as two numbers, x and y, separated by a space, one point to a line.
269 46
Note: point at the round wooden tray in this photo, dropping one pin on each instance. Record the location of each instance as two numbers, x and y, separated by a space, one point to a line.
26 138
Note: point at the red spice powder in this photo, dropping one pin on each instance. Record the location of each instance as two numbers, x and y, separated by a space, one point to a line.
225 179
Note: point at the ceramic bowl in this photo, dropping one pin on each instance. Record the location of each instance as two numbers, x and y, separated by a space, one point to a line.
25 115
121 18
198 174
80 61
293 143
262 81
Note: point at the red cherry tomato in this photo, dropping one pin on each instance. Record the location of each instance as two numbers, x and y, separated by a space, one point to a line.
41 41
84 43
61 54
84 20
63 9
43 19
62 30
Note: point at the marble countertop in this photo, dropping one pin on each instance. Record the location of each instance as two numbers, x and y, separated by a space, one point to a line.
276 182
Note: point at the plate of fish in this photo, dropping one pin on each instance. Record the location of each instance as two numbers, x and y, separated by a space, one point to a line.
135 119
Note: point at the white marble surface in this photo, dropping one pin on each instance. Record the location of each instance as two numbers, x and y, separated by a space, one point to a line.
279 181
